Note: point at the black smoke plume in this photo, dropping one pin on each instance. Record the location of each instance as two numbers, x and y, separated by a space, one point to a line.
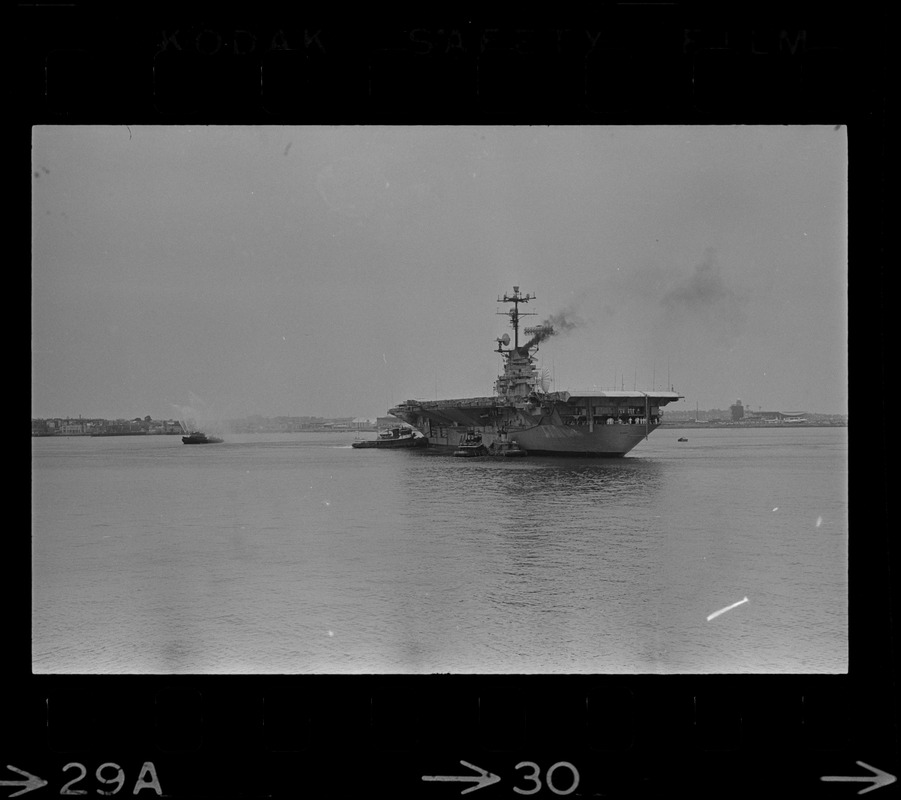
706 299
561 322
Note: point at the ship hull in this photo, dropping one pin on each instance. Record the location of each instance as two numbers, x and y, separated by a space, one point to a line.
598 441
604 441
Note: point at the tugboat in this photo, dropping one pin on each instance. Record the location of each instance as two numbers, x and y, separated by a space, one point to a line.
471 445
393 438
502 446
522 409
196 437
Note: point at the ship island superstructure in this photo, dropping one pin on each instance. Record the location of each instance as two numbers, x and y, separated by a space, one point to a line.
523 411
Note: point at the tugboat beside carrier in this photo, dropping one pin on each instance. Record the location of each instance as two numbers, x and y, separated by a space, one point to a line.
394 438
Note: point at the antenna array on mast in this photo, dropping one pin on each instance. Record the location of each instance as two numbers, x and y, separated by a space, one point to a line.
514 313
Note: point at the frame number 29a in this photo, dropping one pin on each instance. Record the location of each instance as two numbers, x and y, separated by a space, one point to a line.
534 777
113 776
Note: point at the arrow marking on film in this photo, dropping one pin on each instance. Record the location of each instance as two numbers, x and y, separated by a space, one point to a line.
878 778
30 782
484 778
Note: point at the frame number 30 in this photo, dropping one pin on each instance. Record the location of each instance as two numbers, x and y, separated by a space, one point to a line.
535 779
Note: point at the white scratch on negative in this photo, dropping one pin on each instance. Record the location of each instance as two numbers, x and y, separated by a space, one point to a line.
727 608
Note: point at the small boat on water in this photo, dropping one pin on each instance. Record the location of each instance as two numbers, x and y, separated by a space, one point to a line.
681 439
393 438
502 446
506 449
471 445
197 437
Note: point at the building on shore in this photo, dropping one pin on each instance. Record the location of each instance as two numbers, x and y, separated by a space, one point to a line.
770 417
67 426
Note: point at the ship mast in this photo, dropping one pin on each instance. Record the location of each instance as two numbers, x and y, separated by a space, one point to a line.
514 313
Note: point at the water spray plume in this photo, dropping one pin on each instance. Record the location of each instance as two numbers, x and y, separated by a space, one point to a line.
198 415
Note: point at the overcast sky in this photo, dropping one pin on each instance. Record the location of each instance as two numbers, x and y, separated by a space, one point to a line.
333 271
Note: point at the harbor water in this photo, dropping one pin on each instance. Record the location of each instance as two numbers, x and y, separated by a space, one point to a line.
295 553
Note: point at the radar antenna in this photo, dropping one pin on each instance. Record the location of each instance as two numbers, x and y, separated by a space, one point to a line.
544 381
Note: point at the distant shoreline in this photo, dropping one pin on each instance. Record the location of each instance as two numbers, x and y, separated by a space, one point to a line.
181 433
760 425
670 425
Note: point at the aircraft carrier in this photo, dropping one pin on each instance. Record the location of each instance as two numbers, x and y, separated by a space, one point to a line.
553 423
